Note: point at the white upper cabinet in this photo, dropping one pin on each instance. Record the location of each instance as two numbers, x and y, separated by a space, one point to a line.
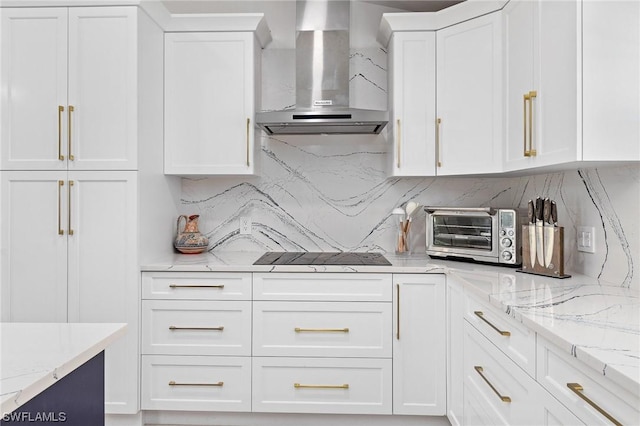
412 103
469 105
69 88
210 102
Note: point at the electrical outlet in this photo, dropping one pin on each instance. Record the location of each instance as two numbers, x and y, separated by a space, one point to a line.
586 239
245 225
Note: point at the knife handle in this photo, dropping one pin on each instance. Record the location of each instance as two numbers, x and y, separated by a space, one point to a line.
554 213
531 212
546 211
539 208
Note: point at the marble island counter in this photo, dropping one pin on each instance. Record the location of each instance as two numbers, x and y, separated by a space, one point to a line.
594 321
37 356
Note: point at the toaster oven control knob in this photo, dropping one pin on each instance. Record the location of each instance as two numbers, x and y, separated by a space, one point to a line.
506 242
506 255
503 233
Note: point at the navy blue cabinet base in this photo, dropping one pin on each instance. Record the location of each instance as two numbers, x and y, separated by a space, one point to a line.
75 400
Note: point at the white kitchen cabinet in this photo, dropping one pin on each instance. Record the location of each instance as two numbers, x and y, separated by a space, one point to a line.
455 351
419 344
412 103
69 98
469 101
211 94
69 253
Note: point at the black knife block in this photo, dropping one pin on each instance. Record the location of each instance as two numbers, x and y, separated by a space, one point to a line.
556 267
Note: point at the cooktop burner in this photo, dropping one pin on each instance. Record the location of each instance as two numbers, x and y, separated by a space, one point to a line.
322 258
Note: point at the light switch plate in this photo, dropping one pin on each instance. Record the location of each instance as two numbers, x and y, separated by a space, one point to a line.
586 239
245 225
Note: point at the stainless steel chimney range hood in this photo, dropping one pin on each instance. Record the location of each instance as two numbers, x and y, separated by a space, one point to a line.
322 77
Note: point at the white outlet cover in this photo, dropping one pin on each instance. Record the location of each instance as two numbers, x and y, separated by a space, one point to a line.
586 239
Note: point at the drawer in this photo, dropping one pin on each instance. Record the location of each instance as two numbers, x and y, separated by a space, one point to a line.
492 381
513 338
322 385
323 329
556 370
322 287
196 383
190 327
196 285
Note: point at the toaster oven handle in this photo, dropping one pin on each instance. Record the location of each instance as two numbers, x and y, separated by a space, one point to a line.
488 210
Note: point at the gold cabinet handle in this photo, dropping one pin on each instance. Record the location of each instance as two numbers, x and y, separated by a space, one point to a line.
220 286
248 127
532 96
438 122
174 383
71 109
321 330
398 137
525 122
220 328
480 315
398 312
71 183
60 185
503 398
302 386
60 111
578 389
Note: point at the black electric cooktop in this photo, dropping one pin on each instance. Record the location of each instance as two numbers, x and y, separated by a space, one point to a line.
322 258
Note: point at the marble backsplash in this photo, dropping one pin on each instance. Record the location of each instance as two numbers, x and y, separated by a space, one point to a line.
331 193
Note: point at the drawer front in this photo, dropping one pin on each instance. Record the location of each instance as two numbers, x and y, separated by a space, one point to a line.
196 383
323 329
189 327
322 385
322 287
519 344
556 370
504 389
196 285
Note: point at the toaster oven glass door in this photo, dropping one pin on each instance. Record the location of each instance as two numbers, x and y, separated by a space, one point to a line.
463 232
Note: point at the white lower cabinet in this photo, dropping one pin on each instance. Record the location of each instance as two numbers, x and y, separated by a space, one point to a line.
419 345
455 351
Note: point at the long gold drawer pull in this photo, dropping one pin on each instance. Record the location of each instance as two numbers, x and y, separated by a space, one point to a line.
321 330
60 185
248 127
70 232
60 111
439 150
525 122
71 109
174 383
577 389
220 286
480 315
398 135
502 398
532 95
220 328
302 386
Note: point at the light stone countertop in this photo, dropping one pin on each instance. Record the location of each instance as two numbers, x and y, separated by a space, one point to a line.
34 356
594 321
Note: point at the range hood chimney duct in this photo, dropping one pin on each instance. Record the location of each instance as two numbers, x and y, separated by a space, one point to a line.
322 77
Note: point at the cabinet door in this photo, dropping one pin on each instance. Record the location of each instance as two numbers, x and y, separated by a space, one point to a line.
102 88
455 344
34 246
469 127
412 103
209 103
103 276
419 352
34 87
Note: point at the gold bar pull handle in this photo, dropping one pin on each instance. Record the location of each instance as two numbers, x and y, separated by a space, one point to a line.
532 95
220 286
321 330
69 138
399 139
438 150
502 397
70 232
525 122
60 185
303 386
578 389
480 315
174 383
398 312
248 128
220 328
60 111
